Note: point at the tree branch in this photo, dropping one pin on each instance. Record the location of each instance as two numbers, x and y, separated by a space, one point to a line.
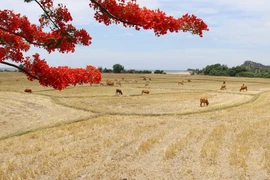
22 69
44 10
50 19
17 34
104 10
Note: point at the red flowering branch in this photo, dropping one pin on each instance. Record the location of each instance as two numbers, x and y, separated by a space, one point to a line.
131 15
17 35
59 77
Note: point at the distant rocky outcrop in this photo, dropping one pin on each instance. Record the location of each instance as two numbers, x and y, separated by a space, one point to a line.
254 66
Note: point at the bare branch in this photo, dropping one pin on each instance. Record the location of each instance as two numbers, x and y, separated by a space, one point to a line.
22 69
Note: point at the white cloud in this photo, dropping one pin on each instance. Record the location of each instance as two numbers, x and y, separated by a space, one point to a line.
210 11
247 5
267 23
128 34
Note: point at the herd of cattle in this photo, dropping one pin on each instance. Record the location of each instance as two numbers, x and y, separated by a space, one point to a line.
203 100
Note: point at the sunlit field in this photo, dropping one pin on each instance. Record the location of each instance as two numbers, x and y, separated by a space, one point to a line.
90 132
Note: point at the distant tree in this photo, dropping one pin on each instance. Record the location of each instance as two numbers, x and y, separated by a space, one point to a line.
193 71
131 71
100 69
118 68
146 72
159 72
235 70
215 70
246 74
105 70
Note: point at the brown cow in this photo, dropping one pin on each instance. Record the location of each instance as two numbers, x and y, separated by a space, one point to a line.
180 82
118 82
28 90
223 86
118 91
145 92
188 80
243 87
109 83
204 101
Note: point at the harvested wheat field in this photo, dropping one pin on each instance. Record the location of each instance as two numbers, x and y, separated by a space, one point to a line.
90 132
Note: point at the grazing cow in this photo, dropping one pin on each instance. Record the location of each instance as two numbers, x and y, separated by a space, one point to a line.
180 82
223 86
204 101
144 78
188 80
28 90
109 83
118 82
118 91
243 87
150 79
145 92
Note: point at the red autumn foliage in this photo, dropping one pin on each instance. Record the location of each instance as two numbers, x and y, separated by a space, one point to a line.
17 34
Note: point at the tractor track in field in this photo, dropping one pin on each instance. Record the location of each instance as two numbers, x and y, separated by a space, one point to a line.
55 99
229 139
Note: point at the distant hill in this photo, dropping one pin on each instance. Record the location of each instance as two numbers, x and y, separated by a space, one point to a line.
254 66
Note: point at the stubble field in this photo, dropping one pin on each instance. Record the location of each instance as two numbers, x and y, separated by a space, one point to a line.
89 132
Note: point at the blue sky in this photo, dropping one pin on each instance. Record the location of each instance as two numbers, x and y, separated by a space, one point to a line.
239 31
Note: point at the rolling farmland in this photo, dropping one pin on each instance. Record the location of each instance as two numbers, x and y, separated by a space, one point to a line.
89 132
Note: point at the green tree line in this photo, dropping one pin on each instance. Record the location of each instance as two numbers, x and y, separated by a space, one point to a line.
236 71
118 68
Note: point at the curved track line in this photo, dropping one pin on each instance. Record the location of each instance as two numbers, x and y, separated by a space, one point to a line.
98 114
255 97
20 133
